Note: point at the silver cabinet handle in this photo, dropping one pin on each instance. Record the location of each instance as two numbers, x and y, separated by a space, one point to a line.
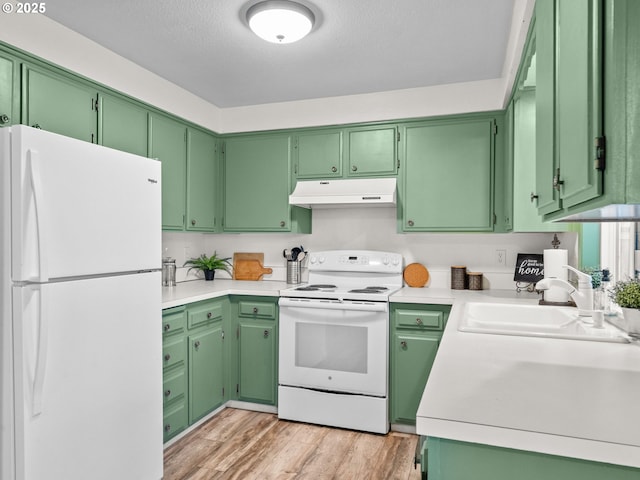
208 314
197 344
193 222
418 321
167 357
35 125
167 327
282 223
4 119
410 223
167 428
354 168
266 334
403 344
255 309
167 393
533 197
334 169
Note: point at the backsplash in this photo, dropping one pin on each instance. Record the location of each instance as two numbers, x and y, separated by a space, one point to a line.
375 229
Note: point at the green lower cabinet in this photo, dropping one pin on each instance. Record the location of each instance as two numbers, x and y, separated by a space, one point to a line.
416 331
453 460
257 348
206 364
174 358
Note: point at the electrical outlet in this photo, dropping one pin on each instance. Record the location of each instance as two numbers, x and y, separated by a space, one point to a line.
501 257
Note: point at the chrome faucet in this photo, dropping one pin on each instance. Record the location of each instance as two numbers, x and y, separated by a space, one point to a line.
582 296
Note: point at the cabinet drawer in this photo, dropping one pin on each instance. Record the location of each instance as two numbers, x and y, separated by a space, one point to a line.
173 352
205 313
173 321
257 309
175 420
419 319
174 386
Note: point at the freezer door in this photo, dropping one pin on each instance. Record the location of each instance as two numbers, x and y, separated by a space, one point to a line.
88 379
80 209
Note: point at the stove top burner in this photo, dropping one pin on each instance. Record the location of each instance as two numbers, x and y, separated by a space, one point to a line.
366 290
314 288
380 289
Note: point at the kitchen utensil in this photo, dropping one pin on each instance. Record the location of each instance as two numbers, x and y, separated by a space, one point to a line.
295 251
416 275
301 256
249 266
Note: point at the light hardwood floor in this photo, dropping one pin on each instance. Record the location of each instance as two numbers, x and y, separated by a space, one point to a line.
240 444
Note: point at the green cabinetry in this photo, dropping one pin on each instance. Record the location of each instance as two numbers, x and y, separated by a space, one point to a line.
416 331
123 125
363 151
257 327
9 93
569 103
452 460
174 358
168 144
58 104
202 181
257 185
448 175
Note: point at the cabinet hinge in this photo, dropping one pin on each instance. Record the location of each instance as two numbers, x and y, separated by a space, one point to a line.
237 388
222 392
599 162
495 128
222 334
94 104
495 219
398 135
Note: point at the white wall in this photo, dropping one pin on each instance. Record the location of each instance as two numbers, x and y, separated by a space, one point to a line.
375 229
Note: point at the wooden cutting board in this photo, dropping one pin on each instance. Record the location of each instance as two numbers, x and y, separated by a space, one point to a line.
416 275
249 266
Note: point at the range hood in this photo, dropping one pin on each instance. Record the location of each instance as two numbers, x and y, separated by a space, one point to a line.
356 192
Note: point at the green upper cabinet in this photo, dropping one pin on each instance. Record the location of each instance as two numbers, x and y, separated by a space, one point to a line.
123 125
569 109
8 91
168 144
257 186
371 151
58 104
202 181
448 175
318 154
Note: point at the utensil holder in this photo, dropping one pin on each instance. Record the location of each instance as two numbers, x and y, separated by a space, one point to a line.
294 272
168 272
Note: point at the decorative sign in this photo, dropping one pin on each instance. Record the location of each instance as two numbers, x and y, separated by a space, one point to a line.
529 267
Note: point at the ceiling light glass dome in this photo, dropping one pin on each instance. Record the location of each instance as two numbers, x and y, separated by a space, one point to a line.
280 21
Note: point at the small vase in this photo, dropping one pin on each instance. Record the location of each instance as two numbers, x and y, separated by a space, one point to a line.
632 320
209 274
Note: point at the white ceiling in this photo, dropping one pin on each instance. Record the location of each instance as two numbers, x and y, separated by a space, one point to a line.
356 46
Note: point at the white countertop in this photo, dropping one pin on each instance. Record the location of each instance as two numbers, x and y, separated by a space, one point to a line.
561 397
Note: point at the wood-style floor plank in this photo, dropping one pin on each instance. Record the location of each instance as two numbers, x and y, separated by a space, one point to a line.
245 445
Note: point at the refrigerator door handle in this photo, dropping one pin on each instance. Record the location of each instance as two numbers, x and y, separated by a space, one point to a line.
41 349
33 160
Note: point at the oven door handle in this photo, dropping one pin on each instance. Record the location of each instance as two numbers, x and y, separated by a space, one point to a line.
334 304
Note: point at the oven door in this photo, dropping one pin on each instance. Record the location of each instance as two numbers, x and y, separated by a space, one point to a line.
334 345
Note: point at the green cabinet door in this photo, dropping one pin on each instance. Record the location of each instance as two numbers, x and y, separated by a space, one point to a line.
58 104
371 151
202 181
123 125
453 460
206 381
257 362
448 173
318 154
8 92
257 187
578 98
174 371
412 355
168 144
507 176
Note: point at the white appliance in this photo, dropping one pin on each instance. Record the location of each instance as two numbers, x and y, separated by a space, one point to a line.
80 287
334 341
350 192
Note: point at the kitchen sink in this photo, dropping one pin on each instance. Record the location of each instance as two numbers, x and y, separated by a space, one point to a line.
536 321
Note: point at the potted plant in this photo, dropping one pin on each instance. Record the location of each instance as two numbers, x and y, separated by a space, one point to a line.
627 295
209 265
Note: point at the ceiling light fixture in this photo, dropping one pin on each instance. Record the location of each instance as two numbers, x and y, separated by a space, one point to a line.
280 21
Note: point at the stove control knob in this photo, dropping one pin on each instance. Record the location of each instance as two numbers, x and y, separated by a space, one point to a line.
396 260
313 259
321 259
385 260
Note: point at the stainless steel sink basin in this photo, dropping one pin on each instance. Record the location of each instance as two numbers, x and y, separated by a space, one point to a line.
535 321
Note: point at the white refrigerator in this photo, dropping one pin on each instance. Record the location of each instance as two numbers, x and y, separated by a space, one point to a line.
80 286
